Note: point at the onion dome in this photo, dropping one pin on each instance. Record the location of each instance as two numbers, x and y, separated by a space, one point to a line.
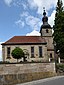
45 18
45 24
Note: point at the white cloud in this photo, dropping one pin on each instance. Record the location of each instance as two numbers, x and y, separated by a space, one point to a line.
29 20
42 3
24 6
33 33
20 23
48 4
52 18
24 14
33 22
32 4
8 2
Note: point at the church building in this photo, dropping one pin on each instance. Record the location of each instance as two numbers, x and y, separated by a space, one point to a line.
36 48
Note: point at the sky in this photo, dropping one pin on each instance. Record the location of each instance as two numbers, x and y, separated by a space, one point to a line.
24 17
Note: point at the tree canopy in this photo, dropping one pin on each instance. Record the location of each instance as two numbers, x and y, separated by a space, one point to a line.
59 28
17 53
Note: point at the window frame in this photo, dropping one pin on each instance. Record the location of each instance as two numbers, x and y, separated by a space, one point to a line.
8 52
32 52
40 52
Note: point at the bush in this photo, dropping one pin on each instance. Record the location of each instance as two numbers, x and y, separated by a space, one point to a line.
17 53
60 67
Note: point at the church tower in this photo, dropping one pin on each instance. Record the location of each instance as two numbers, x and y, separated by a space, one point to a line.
46 32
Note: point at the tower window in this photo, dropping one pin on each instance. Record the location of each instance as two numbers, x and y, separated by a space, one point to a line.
47 31
32 52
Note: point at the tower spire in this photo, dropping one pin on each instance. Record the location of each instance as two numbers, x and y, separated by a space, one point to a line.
44 13
45 18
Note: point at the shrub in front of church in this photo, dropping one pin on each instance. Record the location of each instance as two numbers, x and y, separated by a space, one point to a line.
60 68
17 53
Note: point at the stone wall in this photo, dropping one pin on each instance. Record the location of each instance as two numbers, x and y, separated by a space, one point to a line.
18 73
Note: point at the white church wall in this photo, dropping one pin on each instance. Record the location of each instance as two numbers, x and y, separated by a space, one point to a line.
28 47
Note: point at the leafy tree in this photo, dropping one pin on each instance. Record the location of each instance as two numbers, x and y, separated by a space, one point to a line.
17 53
59 28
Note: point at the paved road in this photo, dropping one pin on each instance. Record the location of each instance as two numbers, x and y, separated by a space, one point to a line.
49 81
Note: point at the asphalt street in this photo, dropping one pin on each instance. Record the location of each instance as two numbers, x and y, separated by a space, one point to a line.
59 80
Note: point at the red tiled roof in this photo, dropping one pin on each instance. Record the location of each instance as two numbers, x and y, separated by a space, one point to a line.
25 40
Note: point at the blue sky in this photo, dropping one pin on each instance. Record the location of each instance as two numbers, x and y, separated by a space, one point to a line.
23 17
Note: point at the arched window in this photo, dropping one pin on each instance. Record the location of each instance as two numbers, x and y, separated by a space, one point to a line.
26 52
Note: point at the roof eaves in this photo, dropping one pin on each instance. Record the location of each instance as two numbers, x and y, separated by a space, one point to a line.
24 43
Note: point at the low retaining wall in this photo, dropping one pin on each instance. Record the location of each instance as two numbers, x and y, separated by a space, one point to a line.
17 73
